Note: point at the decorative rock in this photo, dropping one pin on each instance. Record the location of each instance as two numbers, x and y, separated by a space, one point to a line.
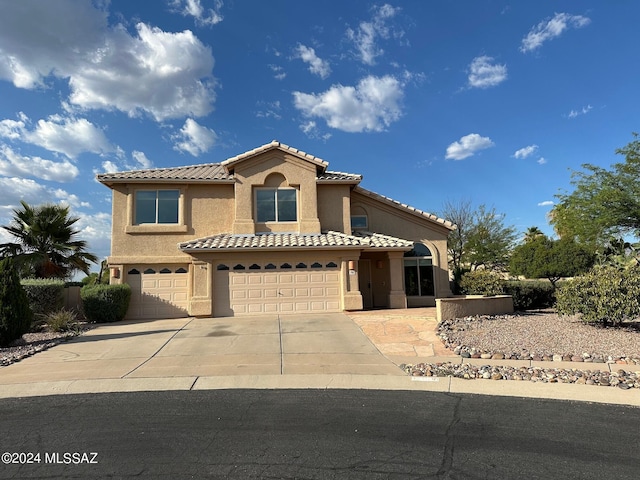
557 358
485 356
577 358
497 356
465 354
496 376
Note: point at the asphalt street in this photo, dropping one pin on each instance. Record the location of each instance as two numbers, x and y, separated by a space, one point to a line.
315 434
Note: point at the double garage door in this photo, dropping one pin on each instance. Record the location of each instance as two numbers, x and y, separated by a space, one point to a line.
276 287
158 291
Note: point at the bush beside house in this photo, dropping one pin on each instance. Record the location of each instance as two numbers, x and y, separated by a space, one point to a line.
105 303
45 295
15 314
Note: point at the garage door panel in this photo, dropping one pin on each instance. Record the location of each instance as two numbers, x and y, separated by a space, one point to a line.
253 294
158 295
239 292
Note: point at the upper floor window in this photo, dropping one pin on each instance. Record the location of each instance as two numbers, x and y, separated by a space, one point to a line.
276 205
359 222
156 206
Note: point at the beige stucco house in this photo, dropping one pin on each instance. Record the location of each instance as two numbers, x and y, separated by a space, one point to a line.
269 231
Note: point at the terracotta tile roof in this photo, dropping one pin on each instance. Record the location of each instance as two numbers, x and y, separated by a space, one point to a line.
285 241
273 145
341 177
378 240
210 172
407 208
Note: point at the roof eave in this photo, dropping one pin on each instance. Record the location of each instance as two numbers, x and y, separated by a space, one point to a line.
271 249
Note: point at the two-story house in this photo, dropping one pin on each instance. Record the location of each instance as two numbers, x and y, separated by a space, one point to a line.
269 231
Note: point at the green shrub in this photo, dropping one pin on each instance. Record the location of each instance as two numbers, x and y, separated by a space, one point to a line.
481 282
605 294
15 314
62 321
105 303
45 295
530 295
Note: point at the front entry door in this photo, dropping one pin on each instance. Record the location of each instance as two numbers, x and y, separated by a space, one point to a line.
364 282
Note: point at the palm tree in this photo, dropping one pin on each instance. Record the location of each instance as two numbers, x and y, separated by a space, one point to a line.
532 233
45 244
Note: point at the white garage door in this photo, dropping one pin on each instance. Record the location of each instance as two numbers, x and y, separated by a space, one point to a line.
158 291
279 287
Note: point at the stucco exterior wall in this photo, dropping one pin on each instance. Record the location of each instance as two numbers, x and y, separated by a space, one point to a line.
334 208
206 210
392 221
251 174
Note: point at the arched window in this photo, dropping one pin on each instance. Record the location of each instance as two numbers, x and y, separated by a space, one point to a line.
418 272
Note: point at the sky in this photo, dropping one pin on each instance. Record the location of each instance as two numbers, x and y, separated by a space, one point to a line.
491 102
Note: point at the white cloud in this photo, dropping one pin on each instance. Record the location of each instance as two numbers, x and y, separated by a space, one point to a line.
278 72
371 105
194 138
366 35
542 161
317 66
468 146
269 110
141 159
12 129
109 167
67 135
14 164
582 111
164 74
14 189
546 203
194 8
526 151
551 28
96 230
483 73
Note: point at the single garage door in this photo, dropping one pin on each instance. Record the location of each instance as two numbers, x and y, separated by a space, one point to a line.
158 291
278 287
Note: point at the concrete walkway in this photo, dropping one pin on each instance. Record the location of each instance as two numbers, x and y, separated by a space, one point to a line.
360 350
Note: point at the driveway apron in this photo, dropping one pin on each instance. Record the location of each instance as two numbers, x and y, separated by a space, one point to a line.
194 347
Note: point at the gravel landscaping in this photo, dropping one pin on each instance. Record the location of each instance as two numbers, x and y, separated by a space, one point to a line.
540 337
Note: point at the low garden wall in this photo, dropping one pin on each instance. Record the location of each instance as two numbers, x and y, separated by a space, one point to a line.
471 305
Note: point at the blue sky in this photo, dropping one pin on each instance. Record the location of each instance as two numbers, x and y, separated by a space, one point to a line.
432 101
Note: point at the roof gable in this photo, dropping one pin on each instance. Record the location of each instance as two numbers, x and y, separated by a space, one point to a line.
230 163
405 208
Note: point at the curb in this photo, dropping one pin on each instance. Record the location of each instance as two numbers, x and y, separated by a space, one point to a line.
570 392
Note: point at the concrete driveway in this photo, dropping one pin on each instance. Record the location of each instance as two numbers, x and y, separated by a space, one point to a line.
203 347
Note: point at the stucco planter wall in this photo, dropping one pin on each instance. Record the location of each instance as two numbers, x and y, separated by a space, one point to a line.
470 305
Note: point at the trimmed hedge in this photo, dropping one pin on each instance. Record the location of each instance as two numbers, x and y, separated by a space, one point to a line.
481 282
45 295
527 294
105 303
530 295
15 314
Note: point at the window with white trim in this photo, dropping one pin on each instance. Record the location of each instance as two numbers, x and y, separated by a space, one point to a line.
276 205
418 272
156 206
